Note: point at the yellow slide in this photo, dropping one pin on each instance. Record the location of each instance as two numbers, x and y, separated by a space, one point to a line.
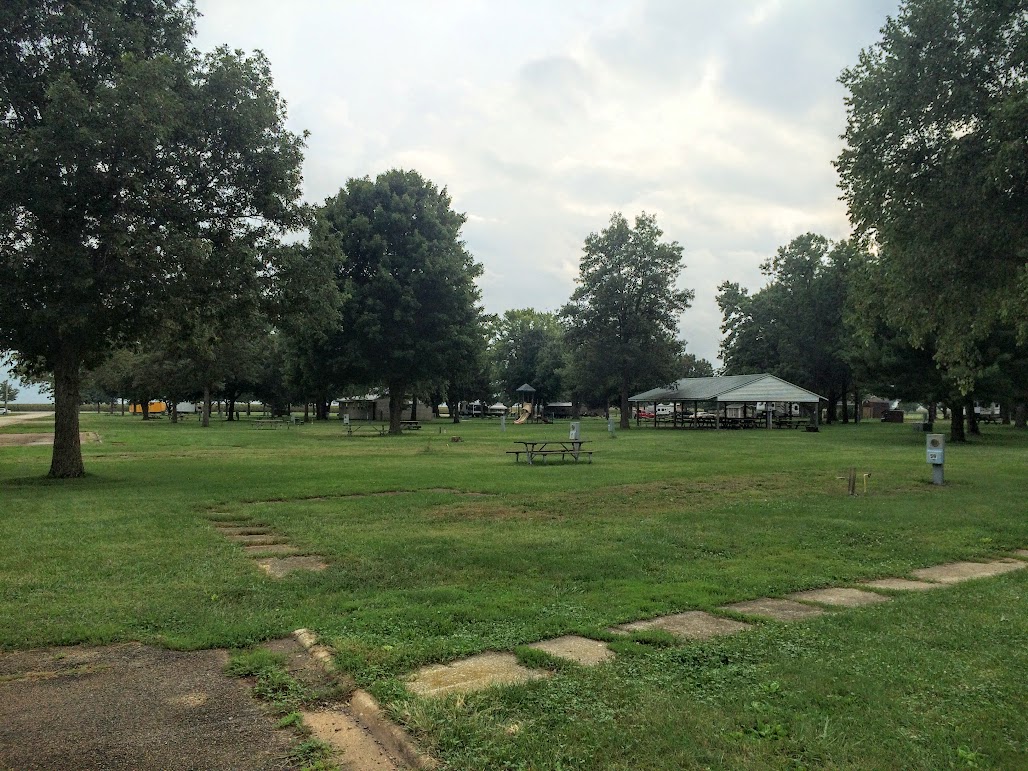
526 413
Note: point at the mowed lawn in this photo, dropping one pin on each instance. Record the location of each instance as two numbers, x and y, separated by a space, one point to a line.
439 549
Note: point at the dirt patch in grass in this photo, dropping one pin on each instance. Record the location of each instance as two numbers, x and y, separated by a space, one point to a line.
131 707
376 494
488 512
43 440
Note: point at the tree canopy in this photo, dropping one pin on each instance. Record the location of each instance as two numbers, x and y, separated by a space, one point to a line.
133 172
794 327
622 319
527 347
935 173
409 313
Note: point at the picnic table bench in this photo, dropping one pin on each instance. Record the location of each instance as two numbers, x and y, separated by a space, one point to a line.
410 425
380 430
563 448
791 421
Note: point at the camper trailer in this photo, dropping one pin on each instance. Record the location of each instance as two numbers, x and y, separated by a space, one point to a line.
778 409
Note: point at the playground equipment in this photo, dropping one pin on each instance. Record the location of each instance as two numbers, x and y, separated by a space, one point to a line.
528 415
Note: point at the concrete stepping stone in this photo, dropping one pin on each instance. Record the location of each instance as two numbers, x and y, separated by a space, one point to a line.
273 548
471 674
901 584
228 532
580 649
355 746
955 572
841 597
692 625
278 567
779 610
257 540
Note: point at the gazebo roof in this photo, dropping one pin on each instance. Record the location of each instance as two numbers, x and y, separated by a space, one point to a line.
729 388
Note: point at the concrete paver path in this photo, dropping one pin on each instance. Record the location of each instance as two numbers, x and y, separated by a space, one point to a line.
471 674
955 572
691 625
580 649
779 610
901 584
841 597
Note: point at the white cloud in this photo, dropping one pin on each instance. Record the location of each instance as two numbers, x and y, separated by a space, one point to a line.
542 118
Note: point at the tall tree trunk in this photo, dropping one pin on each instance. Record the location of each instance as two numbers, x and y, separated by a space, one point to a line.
956 429
1004 413
830 408
933 411
972 419
1021 415
248 407
857 409
123 407
453 403
395 408
174 412
231 408
205 414
414 407
66 462
626 407
145 407
845 407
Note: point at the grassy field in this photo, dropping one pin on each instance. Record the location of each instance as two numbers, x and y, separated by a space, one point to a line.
438 549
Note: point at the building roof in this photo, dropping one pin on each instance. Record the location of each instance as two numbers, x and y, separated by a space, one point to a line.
729 388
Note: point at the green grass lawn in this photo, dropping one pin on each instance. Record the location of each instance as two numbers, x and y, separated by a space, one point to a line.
439 549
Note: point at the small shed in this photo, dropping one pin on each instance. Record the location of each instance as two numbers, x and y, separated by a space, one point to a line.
873 407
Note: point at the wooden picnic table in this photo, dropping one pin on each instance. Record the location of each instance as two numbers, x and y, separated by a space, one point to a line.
561 447
380 430
410 425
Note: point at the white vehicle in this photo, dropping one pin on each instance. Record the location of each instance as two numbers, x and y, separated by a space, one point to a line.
3 410
778 409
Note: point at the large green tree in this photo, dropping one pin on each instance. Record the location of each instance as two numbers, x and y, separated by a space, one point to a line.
131 170
409 314
794 326
935 172
526 347
622 318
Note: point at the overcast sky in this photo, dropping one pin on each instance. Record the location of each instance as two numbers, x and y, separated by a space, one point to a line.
542 118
